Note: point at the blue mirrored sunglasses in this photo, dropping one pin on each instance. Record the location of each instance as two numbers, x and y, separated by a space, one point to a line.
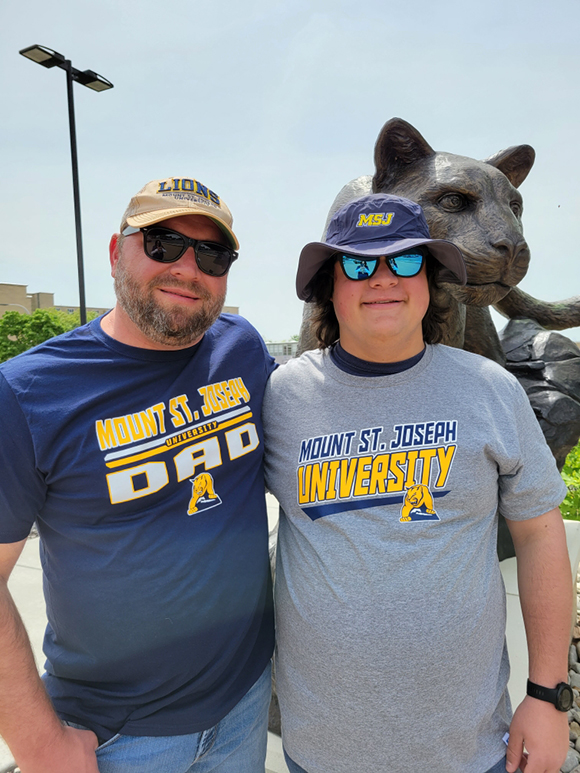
405 264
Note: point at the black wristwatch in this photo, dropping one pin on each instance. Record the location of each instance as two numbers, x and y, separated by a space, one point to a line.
561 695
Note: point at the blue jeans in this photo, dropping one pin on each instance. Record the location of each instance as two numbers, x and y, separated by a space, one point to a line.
499 767
237 744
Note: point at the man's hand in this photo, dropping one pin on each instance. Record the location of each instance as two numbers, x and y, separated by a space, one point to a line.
72 751
543 730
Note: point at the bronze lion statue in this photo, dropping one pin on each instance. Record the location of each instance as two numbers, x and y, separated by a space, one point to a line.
477 205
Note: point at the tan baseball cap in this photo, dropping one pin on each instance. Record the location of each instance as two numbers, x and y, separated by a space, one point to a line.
174 197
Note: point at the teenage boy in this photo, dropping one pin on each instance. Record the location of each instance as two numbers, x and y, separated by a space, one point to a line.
391 456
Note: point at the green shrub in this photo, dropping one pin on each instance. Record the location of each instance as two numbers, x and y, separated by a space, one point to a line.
570 507
19 332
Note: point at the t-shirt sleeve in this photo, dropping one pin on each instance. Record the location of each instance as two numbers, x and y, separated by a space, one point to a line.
22 486
529 482
252 335
269 362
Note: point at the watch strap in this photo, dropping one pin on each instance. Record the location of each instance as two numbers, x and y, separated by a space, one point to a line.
542 693
550 694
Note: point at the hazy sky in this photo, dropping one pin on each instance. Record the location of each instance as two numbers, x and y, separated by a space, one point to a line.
275 106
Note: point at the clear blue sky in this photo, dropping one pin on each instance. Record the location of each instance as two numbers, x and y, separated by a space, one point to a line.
275 105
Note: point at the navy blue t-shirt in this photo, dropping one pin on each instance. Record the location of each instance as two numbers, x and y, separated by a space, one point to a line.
143 471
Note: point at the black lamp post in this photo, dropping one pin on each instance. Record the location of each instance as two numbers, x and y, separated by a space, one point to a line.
49 58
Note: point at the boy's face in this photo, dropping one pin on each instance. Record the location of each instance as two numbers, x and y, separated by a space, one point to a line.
380 318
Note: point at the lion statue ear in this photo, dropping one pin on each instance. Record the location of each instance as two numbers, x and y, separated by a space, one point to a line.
398 146
514 162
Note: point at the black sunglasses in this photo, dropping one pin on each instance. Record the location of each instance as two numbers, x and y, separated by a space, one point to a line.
166 246
406 264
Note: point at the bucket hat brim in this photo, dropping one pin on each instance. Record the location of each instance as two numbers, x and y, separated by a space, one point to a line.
315 254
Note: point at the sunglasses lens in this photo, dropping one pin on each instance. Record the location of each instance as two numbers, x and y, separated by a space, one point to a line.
167 246
214 259
408 264
355 268
164 245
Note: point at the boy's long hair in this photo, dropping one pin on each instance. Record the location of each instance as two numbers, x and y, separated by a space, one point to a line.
325 324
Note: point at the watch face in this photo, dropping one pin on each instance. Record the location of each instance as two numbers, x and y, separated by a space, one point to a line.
565 697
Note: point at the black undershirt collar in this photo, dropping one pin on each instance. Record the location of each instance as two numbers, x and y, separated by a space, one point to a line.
357 367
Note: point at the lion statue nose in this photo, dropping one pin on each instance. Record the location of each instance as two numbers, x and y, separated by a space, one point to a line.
515 257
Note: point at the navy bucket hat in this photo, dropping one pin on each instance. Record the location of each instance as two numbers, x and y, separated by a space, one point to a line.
375 225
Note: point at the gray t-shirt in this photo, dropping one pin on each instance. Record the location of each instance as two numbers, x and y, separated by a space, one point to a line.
390 602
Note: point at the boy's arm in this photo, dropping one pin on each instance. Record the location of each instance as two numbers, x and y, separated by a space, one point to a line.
545 587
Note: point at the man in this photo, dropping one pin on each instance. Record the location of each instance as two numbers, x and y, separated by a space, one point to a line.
391 457
135 444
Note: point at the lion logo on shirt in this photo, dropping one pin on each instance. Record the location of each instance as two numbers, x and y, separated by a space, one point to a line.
418 504
203 495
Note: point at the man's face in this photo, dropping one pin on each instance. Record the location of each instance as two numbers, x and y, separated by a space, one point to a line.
168 304
380 318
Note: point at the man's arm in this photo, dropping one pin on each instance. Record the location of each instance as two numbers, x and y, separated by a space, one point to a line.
544 580
36 737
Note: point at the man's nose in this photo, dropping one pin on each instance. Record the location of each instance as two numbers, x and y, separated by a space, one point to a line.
186 265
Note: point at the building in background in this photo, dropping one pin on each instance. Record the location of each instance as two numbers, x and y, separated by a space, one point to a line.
17 298
282 351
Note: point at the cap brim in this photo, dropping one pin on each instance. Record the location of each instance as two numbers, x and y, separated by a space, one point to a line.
315 255
150 218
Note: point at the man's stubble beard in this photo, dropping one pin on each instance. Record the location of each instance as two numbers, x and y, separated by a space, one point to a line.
170 327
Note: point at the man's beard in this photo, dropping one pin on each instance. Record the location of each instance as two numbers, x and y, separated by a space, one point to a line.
168 326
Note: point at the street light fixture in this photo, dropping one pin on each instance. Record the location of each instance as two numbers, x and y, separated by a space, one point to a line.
20 306
92 80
